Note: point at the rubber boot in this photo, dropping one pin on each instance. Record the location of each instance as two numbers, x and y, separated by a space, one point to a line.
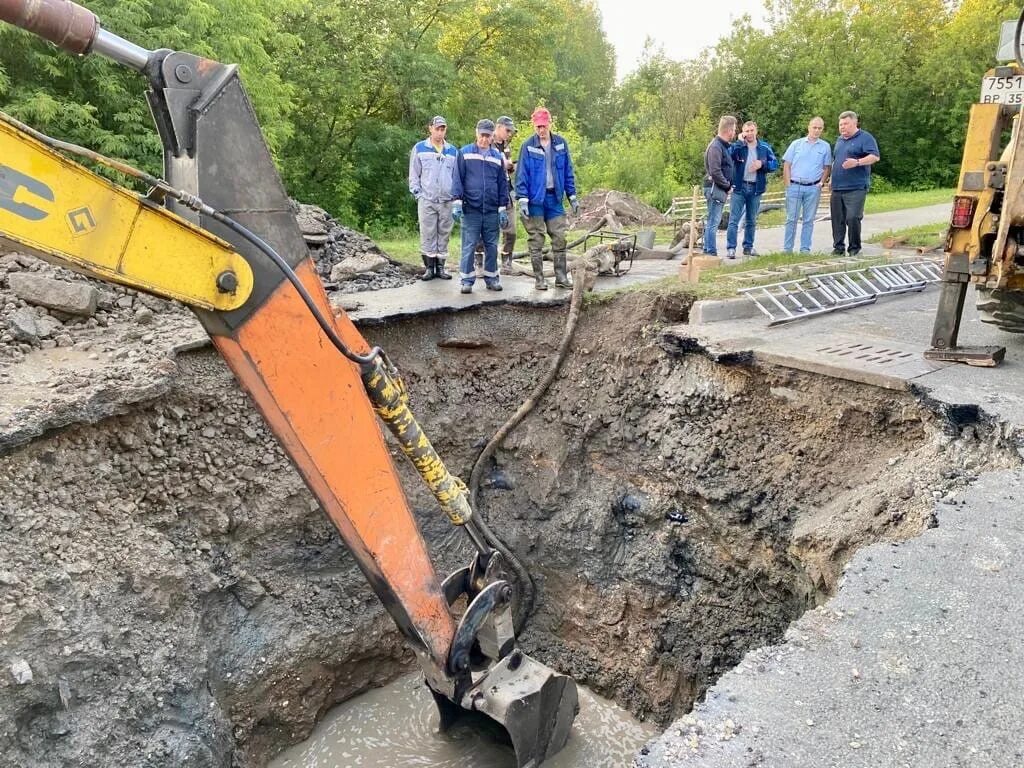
506 263
562 279
428 272
440 271
538 273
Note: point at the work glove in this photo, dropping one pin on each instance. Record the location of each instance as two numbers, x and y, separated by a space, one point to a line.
502 218
524 208
574 204
457 211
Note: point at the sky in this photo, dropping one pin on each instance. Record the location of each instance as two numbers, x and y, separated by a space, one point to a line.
683 29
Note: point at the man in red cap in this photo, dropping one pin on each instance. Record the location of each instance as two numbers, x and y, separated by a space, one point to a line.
544 178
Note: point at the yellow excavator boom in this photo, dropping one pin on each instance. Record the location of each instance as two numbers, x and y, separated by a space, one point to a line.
65 213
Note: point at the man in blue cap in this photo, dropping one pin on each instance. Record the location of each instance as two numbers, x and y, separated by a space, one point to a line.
431 168
480 191
504 130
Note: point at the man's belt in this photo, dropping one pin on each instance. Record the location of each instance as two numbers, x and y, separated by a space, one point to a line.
805 183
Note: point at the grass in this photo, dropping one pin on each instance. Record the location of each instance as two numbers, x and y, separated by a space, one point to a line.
713 285
881 202
924 236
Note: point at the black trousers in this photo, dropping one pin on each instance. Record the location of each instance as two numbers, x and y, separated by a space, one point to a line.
847 207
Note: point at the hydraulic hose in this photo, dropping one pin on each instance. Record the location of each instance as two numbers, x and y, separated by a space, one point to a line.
528 589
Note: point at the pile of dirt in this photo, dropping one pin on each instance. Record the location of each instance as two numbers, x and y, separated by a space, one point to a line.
348 261
77 349
617 211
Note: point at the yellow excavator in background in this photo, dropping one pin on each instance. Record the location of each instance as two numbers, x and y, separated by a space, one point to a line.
218 234
985 241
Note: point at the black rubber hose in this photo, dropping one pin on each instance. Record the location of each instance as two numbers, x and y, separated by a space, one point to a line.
527 587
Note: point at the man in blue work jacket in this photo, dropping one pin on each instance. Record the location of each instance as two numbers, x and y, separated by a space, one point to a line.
480 199
544 178
753 159
856 151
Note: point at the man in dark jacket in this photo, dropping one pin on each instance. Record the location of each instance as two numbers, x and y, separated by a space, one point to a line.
719 171
544 178
856 151
754 160
480 197
504 130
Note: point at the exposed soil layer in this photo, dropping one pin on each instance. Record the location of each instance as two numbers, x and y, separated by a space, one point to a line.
171 595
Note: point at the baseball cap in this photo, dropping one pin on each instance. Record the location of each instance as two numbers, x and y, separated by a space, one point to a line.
437 120
507 122
541 116
485 126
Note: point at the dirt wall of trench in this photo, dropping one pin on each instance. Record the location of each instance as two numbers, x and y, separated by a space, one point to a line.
178 598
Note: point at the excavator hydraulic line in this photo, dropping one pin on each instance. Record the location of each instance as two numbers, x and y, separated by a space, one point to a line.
390 399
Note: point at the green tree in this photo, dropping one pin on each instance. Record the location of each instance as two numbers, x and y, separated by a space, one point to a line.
96 103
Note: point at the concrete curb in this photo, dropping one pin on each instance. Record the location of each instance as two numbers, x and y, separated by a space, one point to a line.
719 310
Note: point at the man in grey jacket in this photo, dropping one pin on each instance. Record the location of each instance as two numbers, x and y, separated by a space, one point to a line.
431 167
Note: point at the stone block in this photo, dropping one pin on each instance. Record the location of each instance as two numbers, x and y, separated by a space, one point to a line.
73 298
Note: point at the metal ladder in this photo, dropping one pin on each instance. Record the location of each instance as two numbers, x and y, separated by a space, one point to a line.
818 294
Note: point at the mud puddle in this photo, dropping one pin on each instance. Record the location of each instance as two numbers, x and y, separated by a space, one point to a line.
397 725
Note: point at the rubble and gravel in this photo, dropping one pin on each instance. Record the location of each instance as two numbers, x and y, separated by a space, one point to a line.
74 349
348 261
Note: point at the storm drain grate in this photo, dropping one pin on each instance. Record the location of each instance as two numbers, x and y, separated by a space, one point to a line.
868 353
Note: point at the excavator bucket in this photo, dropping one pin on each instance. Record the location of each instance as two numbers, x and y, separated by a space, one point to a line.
534 705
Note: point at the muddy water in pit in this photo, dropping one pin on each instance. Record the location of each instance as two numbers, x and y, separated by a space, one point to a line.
397 726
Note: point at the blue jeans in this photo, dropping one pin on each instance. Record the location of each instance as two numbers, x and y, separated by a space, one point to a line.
802 204
715 211
478 226
745 204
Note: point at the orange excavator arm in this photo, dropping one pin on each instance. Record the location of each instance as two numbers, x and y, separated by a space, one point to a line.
228 231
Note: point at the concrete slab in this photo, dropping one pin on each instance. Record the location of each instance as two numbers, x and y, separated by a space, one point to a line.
881 344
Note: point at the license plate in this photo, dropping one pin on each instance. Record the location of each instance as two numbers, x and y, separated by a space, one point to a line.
1002 90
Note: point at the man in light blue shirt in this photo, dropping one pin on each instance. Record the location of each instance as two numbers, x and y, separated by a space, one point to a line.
805 170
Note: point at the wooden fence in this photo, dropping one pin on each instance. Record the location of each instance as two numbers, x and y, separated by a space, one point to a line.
681 206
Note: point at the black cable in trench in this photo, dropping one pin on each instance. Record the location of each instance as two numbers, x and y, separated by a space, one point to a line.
528 588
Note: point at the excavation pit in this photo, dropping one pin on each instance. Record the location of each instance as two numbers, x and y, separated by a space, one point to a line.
179 599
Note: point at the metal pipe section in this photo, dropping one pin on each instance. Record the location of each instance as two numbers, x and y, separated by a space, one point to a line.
72 28
65 24
120 50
